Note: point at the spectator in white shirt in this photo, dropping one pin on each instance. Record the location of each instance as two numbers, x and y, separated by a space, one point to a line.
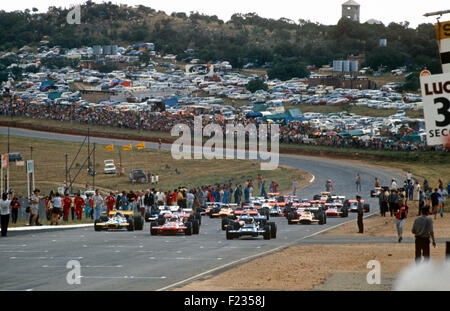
5 211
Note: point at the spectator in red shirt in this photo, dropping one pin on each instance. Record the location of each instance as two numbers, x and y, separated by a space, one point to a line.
110 202
79 204
67 203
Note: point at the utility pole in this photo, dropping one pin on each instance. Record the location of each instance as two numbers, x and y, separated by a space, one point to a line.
8 140
89 151
67 171
93 172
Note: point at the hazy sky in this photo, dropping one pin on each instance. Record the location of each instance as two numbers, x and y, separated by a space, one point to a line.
326 12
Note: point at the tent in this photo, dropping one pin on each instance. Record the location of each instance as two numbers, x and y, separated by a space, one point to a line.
254 115
279 116
171 101
295 113
46 85
413 138
259 107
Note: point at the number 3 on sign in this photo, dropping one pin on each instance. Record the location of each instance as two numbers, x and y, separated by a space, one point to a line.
444 110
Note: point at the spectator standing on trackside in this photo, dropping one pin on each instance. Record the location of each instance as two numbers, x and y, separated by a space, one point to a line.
394 185
423 230
400 216
67 204
358 183
383 201
425 185
259 180
421 201
263 188
34 207
15 206
79 202
156 178
360 212
294 186
190 199
98 202
57 204
159 143
110 202
409 177
442 194
434 197
5 211
246 194
392 200
377 182
275 187
329 186
416 191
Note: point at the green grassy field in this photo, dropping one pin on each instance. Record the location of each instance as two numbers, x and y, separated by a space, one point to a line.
49 156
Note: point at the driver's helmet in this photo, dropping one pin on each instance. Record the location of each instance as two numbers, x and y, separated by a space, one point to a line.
174 218
250 220
119 214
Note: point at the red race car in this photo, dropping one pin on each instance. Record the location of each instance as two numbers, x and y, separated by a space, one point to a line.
175 225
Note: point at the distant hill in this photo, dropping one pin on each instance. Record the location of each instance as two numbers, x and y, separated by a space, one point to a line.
244 38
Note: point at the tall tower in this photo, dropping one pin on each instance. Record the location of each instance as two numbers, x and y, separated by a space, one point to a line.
350 9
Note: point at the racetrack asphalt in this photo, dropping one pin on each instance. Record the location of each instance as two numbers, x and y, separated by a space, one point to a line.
137 261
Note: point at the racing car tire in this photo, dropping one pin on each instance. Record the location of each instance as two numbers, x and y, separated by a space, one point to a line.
153 231
188 230
290 217
161 220
267 233
273 230
147 217
97 228
103 218
321 218
130 226
344 212
138 222
229 235
195 226
225 223
366 208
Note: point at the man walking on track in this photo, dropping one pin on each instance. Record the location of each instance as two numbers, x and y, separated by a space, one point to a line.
358 183
360 215
423 230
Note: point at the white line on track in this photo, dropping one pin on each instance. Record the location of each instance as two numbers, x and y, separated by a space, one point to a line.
19 251
252 256
56 257
117 266
185 258
122 277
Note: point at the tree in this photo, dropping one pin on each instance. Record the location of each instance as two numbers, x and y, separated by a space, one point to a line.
255 85
287 68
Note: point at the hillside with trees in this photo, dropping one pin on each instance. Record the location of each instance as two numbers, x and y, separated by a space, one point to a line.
244 38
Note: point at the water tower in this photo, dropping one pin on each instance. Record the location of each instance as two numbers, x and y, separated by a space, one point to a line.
350 10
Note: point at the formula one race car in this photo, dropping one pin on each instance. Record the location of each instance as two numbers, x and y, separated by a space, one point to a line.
307 216
117 220
352 206
251 227
175 225
336 209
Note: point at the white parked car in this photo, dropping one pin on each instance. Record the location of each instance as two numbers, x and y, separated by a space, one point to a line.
110 167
